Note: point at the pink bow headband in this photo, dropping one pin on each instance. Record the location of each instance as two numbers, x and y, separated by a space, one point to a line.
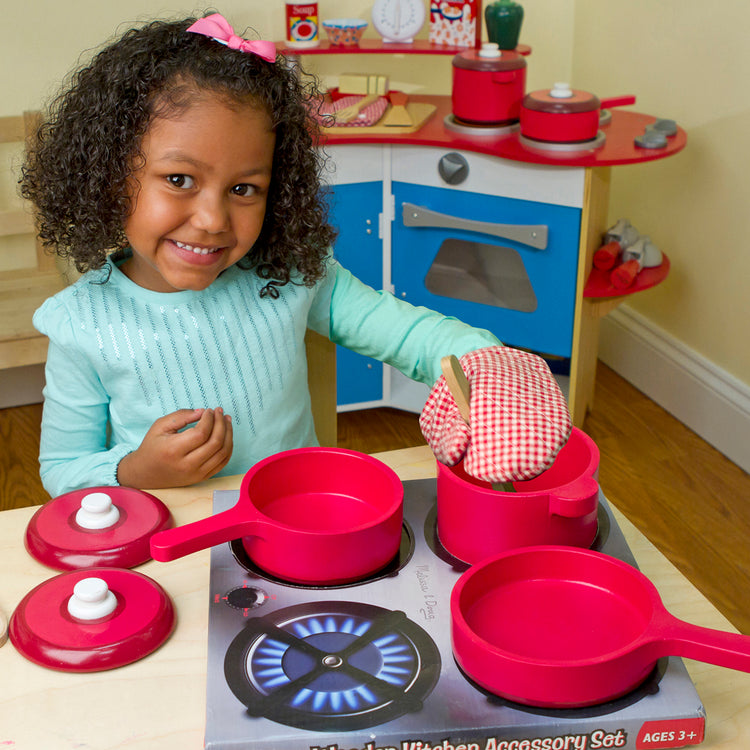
218 28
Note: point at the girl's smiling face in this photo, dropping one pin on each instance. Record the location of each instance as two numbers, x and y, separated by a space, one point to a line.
199 199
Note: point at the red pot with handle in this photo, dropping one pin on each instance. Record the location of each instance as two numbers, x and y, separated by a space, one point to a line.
559 627
564 115
559 506
309 515
488 85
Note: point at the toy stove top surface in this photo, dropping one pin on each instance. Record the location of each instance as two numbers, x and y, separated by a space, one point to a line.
369 666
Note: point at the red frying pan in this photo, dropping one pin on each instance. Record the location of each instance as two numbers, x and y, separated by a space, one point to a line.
309 515
559 627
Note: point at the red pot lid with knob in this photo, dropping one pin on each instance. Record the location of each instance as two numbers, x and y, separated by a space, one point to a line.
561 99
110 526
92 620
489 60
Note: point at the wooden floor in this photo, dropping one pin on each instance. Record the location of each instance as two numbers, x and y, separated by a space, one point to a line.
691 501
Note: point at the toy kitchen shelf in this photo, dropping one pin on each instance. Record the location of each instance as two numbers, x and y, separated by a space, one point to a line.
379 47
371 47
569 192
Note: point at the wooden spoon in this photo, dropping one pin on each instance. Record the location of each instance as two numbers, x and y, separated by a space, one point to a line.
460 388
347 114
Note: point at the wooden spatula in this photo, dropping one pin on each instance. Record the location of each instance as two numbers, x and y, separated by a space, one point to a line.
398 115
460 388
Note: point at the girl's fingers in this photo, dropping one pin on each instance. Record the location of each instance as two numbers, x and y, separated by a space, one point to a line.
179 419
217 443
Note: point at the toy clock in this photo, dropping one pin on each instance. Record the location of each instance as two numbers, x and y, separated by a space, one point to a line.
398 20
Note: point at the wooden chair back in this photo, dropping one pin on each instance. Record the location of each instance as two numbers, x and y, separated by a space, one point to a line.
28 274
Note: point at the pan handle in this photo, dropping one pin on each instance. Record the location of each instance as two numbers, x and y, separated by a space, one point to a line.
208 532
617 101
579 498
674 637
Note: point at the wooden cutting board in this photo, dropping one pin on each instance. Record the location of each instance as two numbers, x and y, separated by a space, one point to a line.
420 112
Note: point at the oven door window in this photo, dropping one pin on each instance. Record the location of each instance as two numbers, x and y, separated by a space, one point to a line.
481 272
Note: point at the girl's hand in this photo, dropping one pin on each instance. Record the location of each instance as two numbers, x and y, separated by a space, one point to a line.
171 456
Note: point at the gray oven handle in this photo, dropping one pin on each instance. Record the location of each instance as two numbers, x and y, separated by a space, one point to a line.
527 234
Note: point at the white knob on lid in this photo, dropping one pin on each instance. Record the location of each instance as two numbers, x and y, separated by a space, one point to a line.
490 49
91 599
97 511
561 91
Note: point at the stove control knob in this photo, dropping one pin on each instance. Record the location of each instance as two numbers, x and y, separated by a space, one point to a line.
246 597
97 512
453 168
91 600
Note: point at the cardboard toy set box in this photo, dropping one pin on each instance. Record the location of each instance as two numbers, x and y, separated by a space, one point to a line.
369 665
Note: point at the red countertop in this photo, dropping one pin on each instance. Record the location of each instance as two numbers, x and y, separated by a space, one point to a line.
618 148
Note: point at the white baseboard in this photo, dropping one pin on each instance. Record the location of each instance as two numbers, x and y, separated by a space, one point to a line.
705 398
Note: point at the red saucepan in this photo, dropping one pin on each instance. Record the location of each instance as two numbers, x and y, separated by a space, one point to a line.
488 85
559 506
562 627
310 515
564 115
477 520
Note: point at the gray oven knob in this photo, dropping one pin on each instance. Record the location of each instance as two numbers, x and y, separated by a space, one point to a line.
453 168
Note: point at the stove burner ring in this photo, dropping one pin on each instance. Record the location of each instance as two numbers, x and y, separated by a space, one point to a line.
563 148
332 666
499 129
650 686
404 554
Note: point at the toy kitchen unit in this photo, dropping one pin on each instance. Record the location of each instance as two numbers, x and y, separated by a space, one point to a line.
487 205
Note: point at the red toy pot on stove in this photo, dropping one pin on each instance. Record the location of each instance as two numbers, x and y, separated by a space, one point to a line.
564 115
488 85
559 506
309 515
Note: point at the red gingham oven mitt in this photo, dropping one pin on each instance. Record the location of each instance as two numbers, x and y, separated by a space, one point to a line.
519 417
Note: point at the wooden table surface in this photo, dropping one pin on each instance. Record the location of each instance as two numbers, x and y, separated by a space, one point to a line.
159 701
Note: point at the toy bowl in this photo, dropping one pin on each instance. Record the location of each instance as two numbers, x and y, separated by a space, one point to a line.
344 32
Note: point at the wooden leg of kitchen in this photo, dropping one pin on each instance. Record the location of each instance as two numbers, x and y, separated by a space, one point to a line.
583 376
321 379
586 321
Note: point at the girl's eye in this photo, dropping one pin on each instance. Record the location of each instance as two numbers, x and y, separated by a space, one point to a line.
180 180
244 190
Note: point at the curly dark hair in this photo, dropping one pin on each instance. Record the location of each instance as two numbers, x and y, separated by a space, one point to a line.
77 169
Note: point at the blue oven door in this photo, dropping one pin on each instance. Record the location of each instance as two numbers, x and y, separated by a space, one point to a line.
505 264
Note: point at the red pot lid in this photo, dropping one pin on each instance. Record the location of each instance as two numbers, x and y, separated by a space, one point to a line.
489 59
561 99
44 631
63 533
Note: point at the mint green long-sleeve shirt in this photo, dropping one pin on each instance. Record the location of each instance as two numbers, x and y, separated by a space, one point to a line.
121 356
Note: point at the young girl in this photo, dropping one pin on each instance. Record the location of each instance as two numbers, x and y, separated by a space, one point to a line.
180 173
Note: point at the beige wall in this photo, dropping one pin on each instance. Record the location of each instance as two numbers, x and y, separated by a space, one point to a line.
687 60
683 59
